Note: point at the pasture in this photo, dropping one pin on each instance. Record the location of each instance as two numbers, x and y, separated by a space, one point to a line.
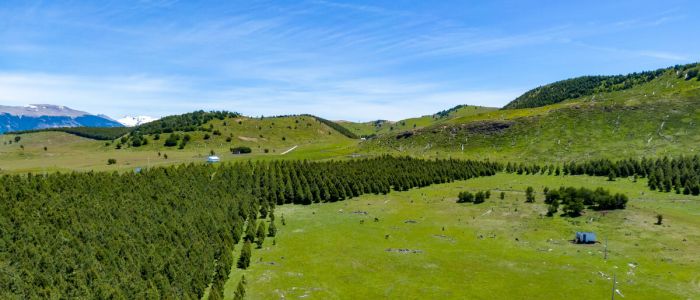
423 245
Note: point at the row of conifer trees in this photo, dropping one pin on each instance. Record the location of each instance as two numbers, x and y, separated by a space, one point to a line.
680 174
170 232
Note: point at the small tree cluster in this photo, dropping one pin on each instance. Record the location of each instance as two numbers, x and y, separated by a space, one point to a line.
575 200
476 198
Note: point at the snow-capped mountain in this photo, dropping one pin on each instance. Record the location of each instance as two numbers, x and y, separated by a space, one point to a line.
130 121
41 116
39 110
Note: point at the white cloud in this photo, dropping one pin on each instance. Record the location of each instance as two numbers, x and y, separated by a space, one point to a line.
351 99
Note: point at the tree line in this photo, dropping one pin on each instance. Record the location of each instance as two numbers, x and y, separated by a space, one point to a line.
588 85
95 133
680 174
169 232
186 122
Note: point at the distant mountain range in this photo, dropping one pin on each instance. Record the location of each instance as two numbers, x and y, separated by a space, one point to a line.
41 116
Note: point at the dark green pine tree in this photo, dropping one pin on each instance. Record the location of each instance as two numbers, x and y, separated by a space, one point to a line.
260 234
552 208
244 259
272 230
239 294
652 182
612 175
237 230
530 195
574 207
250 231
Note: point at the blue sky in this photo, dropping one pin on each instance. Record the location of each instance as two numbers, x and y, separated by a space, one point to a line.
352 60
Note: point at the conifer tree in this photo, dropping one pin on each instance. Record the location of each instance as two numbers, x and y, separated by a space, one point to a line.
250 231
530 194
260 234
239 294
272 230
246 253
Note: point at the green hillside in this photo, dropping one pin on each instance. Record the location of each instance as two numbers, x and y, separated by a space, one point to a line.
379 127
651 119
588 85
268 138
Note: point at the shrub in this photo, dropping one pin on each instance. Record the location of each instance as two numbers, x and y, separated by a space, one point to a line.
479 197
465 197
241 150
171 141
111 161
530 195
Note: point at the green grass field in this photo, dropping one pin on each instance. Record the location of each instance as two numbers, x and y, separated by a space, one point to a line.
500 249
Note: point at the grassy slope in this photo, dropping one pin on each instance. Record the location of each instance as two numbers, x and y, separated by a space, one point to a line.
618 124
325 253
67 152
368 128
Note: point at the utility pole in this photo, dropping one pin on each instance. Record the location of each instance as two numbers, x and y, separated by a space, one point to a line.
613 289
606 248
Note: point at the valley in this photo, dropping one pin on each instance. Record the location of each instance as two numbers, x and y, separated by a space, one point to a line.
469 202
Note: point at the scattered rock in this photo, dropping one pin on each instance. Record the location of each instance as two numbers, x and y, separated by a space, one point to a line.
403 250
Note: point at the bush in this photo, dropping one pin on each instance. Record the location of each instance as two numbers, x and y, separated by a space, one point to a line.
465 197
241 150
171 141
480 197
530 195
477 198
111 161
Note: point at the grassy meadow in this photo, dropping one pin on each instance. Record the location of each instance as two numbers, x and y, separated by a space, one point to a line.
426 246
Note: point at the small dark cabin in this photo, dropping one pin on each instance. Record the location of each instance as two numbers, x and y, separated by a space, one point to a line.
585 238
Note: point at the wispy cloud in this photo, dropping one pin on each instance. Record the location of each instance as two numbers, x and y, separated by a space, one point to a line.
336 59
353 99
662 55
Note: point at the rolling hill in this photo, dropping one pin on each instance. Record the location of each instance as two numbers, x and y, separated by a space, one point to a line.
643 114
218 132
655 118
379 127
